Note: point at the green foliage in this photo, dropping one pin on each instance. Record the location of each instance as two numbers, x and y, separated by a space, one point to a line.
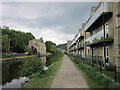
41 40
5 43
18 40
62 46
51 47
36 75
45 80
92 73
29 50
53 58
31 66
32 51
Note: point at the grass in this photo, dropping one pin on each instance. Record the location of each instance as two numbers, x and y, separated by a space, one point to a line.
91 83
111 75
13 56
93 77
45 80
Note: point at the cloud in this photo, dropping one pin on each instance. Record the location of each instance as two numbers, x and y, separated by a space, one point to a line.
54 21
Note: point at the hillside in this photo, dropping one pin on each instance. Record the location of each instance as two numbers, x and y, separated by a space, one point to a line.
62 46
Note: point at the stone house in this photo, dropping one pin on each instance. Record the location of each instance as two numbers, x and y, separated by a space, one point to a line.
39 46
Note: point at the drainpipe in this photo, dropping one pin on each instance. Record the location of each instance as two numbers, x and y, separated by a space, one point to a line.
104 40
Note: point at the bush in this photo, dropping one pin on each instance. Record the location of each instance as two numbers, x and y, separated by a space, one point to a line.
31 66
36 75
93 73
109 67
30 52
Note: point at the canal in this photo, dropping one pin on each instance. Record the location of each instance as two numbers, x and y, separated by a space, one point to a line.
11 69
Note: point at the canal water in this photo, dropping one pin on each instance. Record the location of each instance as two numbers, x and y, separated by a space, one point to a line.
11 69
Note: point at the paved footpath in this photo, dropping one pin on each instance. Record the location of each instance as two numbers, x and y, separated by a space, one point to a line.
68 76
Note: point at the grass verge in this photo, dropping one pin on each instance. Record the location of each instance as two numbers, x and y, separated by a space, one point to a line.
45 80
111 75
94 78
14 56
91 83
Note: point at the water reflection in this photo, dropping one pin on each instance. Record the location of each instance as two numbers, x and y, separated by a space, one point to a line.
11 69
49 60
16 83
43 59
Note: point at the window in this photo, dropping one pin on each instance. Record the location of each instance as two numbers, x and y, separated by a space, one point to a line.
118 20
88 51
107 51
119 49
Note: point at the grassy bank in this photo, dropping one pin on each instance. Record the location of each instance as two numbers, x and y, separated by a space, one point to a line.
14 56
91 83
44 80
93 77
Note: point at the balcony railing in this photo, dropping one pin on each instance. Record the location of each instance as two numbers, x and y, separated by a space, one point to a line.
80 46
97 36
101 9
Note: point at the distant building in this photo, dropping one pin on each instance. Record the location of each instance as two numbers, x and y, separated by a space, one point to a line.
68 45
61 50
41 48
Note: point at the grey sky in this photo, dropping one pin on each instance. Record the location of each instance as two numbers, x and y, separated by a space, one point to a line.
57 22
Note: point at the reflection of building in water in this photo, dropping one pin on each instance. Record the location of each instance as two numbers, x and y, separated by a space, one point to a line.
36 44
43 60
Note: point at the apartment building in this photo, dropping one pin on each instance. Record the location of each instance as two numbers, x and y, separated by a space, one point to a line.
80 44
68 45
101 35
77 44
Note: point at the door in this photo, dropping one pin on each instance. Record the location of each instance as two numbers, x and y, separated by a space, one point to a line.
107 53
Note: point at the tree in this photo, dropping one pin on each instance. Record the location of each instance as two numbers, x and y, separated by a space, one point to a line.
18 40
51 47
5 43
41 40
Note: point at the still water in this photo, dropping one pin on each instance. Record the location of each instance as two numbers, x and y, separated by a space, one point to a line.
10 72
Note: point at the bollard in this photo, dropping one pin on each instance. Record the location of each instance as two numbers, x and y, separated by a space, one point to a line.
115 72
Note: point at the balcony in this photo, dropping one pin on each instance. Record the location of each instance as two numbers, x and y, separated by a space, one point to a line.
98 39
80 37
97 17
81 46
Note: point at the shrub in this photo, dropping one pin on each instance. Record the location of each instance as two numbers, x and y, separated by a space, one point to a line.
100 79
109 67
30 52
31 66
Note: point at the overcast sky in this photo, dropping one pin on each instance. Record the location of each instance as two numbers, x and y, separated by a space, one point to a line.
57 22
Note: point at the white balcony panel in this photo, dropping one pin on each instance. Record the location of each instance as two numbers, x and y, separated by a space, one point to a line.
97 35
102 8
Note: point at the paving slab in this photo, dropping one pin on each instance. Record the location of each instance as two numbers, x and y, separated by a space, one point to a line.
69 76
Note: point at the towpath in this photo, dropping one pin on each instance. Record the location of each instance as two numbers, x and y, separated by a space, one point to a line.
69 76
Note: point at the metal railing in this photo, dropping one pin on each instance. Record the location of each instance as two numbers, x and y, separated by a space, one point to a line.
102 8
99 35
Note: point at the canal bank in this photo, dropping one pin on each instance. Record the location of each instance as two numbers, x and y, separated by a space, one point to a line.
15 58
11 69
45 79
